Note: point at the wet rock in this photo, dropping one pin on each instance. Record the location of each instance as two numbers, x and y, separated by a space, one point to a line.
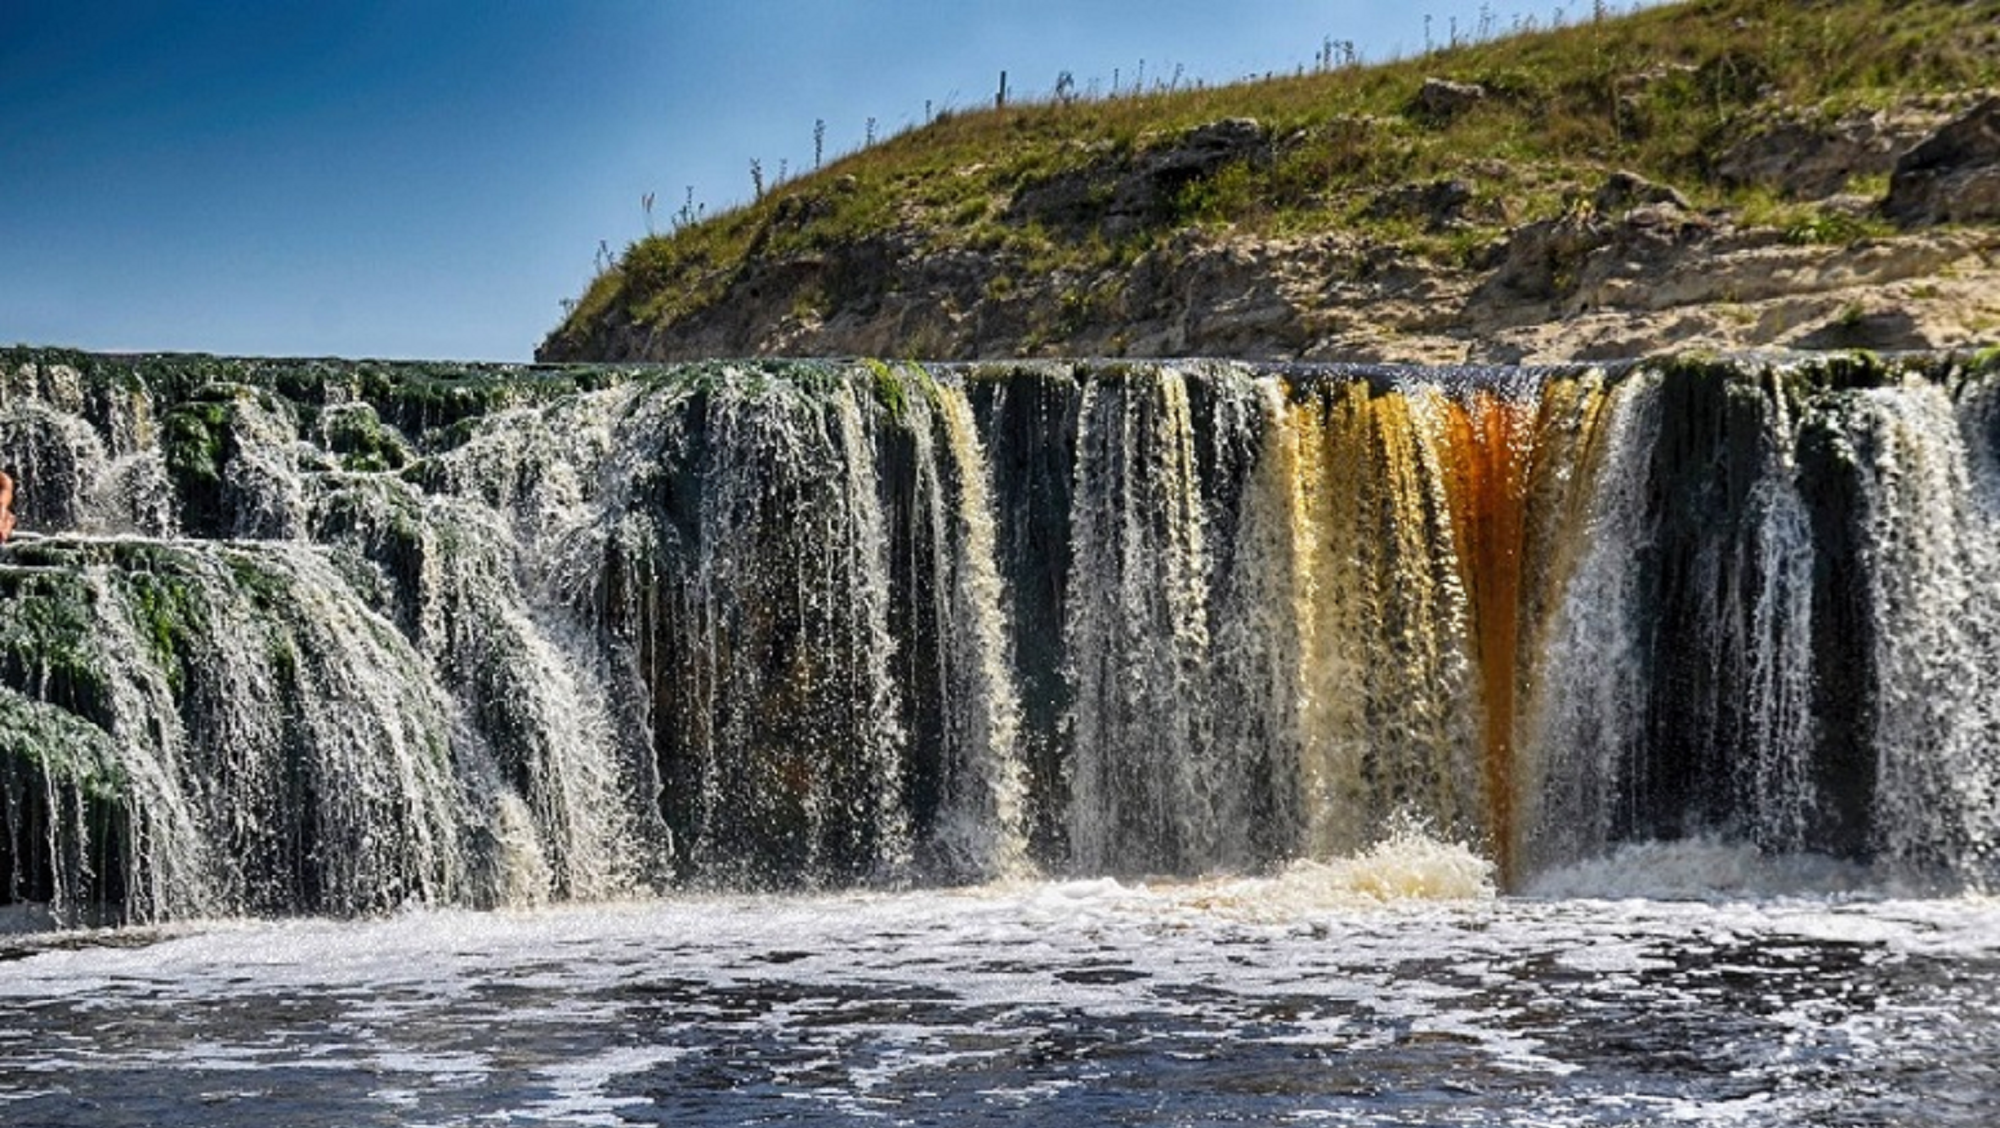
364 443
1953 176
231 457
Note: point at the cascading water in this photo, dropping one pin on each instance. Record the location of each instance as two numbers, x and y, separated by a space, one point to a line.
317 636
1137 632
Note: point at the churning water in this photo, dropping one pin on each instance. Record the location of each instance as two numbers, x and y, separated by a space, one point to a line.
1067 743
1386 990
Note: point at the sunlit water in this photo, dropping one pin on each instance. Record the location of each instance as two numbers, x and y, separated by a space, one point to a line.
1391 990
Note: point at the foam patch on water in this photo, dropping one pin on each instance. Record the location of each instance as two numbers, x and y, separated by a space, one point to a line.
1409 865
1311 994
1703 869
578 1085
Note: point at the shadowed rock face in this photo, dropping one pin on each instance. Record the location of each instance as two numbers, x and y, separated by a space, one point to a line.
322 637
1809 157
1952 176
1123 193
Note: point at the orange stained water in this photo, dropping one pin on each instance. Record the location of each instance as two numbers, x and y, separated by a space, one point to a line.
1428 539
1385 666
1488 457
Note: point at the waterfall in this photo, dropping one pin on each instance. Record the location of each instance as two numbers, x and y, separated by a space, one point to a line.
1137 630
1934 536
1386 662
322 636
1586 665
984 821
274 742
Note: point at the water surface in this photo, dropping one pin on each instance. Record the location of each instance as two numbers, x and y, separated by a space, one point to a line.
1310 998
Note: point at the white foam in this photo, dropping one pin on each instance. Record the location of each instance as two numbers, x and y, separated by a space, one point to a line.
1700 869
578 1084
954 979
1407 866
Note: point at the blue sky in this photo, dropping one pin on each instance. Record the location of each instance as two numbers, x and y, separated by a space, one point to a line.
407 178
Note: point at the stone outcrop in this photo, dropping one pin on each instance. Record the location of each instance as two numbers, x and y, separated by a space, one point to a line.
1808 157
1953 176
1438 204
1624 191
1657 279
1119 193
1440 99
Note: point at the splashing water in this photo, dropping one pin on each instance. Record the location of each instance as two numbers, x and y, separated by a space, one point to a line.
306 636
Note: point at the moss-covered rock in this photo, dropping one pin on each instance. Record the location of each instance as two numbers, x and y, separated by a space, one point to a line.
63 809
363 442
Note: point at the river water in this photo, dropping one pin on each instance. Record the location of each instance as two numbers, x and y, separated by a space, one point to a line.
436 735
1391 989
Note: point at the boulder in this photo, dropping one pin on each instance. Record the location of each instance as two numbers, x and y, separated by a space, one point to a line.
1440 99
1952 176
1438 203
1622 191
1810 158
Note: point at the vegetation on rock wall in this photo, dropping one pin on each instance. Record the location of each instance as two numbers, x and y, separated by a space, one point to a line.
1034 228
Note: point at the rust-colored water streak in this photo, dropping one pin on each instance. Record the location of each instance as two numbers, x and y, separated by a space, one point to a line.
1491 441
1430 533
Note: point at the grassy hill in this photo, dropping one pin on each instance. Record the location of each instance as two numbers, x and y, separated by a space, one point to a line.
1466 190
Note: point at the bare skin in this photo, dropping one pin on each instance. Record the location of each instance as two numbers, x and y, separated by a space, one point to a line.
6 506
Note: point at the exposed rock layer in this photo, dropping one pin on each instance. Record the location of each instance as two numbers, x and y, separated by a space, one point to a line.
1632 268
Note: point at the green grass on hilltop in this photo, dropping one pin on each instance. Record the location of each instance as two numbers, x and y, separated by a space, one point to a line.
1659 92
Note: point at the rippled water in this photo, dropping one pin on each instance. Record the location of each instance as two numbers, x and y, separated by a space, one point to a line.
1314 997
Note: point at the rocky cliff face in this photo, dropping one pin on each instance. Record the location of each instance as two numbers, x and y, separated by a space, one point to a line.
1629 268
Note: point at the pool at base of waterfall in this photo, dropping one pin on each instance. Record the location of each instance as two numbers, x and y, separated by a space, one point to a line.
1380 992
